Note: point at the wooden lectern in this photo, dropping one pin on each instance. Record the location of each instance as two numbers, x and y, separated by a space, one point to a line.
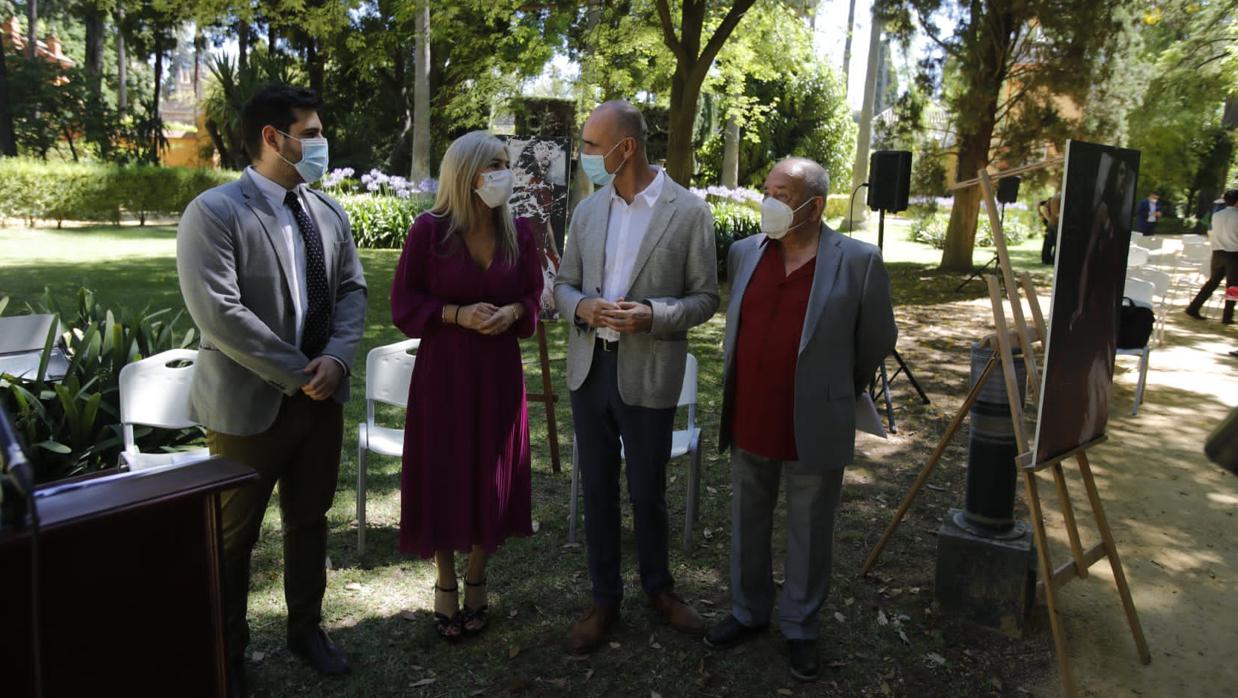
130 585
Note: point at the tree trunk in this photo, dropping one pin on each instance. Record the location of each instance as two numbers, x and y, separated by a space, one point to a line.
242 45
730 153
122 72
982 92
270 38
94 46
847 49
685 92
32 23
314 66
859 170
157 129
199 45
420 168
8 137
217 139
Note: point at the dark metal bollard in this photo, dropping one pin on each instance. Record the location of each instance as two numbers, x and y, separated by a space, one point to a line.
991 471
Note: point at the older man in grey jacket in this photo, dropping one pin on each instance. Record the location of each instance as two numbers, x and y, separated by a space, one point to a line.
638 271
271 277
809 321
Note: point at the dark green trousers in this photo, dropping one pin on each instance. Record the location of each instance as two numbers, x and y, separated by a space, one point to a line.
301 452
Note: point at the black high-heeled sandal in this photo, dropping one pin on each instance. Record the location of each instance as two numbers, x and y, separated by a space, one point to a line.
474 620
450 628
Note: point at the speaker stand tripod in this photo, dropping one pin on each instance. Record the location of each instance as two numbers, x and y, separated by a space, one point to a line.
886 379
976 272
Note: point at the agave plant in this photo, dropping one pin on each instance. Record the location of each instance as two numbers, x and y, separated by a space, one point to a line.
229 88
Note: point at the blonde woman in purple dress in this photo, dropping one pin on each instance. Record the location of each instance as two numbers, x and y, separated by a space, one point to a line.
468 284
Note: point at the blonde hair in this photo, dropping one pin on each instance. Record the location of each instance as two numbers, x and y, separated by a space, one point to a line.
462 163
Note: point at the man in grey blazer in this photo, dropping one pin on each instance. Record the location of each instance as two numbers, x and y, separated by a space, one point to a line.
270 275
809 321
639 270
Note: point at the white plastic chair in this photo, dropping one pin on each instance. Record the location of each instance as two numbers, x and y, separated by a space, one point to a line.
388 373
1163 283
155 393
686 441
1136 257
1143 293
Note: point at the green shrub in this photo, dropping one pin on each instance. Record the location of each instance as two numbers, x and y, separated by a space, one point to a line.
73 426
382 222
732 221
928 227
60 191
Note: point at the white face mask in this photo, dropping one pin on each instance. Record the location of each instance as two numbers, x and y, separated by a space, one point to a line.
496 187
776 217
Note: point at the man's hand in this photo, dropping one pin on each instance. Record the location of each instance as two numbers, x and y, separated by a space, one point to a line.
628 318
590 311
325 374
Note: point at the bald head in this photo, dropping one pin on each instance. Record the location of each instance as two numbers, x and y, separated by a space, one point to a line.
811 176
618 119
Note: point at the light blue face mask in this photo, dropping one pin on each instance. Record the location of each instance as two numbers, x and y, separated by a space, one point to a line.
314 158
595 167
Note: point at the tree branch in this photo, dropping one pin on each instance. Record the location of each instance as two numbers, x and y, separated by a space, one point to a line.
668 30
924 24
723 32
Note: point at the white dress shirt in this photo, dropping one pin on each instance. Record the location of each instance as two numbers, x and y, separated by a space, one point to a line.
625 230
1225 229
294 244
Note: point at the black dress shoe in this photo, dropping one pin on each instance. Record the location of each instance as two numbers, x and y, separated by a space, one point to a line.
1194 313
236 678
317 650
731 633
805 665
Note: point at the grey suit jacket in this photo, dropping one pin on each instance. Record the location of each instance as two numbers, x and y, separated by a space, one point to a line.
848 329
234 269
676 273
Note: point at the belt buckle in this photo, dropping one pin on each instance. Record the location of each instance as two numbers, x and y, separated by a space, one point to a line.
607 345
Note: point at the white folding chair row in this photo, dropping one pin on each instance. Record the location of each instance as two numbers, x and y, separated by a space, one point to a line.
388 374
154 392
683 442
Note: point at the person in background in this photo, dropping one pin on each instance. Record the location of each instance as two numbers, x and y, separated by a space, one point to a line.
271 277
468 284
810 319
1224 238
639 270
1050 211
1148 213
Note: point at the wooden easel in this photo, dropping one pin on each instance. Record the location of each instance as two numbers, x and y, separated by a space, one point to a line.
547 397
1002 342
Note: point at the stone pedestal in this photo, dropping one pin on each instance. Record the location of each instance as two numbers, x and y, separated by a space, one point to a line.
985 577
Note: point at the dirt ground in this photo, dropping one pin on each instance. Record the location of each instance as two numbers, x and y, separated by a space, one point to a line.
1173 514
1171 511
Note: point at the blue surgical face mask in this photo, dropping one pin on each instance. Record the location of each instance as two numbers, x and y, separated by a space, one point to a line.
595 167
313 164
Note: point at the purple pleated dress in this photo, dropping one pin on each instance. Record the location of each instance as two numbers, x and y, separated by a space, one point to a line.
466 478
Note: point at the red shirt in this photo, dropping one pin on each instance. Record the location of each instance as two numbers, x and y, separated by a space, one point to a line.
771 322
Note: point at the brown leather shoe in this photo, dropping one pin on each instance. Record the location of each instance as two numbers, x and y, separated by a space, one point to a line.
588 632
678 613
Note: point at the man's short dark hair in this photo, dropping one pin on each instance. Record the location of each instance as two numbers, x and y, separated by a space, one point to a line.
1231 197
272 106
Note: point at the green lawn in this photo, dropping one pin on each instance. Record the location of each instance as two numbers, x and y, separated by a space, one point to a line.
539 585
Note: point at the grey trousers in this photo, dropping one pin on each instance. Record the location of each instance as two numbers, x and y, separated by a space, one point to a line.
812 501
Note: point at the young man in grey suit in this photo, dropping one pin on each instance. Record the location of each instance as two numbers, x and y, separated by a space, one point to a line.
809 321
271 277
639 270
